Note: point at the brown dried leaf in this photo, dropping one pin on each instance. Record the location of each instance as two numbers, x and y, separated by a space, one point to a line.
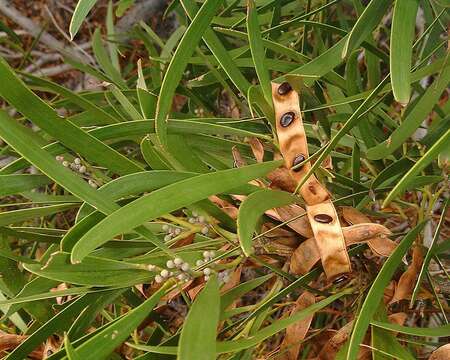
353 216
10 341
227 207
442 353
300 226
333 345
398 318
257 148
290 346
237 157
281 179
389 292
408 279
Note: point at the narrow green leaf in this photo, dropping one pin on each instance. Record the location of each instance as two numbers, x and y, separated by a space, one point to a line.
14 91
429 255
375 293
440 331
369 19
165 200
105 62
219 51
198 336
57 323
428 157
384 342
70 351
97 348
17 216
236 292
93 271
178 64
402 35
257 50
253 207
413 118
14 184
81 11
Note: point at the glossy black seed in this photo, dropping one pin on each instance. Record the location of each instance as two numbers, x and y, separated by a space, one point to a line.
340 279
284 88
323 218
287 119
298 160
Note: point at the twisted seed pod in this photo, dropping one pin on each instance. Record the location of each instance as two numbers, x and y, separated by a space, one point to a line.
321 212
376 236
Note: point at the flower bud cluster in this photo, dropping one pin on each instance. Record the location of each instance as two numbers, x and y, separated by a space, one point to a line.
201 220
78 166
176 267
171 232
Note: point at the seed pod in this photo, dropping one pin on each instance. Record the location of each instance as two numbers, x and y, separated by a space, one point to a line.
321 212
307 254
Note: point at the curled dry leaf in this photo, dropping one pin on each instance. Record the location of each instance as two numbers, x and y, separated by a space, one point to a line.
290 347
398 318
300 225
389 292
257 148
227 207
9 342
353 216
408 279
237 157
281 179
307 254
333 345
442 353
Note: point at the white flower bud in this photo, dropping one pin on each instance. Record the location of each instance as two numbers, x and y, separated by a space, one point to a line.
151 267
170 264
205 230
168 237
82 169
77 161
199 262
158 279
164 273
178 261
206 254
207 271
177 231
165 227
185 267
65 163
201 219
206 277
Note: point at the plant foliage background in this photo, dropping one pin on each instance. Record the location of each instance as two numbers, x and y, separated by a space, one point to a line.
127 159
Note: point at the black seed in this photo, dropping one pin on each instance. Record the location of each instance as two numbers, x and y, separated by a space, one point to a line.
340 279
287 119
298 160
284 88
323 218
